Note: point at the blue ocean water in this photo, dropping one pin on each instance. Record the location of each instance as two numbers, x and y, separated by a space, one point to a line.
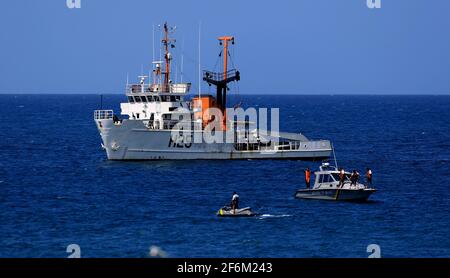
57 188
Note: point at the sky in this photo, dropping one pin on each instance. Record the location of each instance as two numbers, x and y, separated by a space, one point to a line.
282 47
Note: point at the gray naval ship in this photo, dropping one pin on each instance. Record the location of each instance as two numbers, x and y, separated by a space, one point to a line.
149 127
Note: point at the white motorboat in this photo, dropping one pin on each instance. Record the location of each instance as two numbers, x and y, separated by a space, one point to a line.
327 187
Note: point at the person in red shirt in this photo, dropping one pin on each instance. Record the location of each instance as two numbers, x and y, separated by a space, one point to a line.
307 177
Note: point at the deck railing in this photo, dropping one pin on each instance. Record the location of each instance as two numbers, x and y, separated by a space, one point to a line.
103 114
279 146
177 88
213 77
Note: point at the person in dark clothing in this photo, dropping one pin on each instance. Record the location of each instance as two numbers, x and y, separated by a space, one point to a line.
235 201
369 177
341 177
354 177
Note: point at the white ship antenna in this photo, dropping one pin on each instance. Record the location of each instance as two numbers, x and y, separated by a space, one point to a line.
153 42
334 155
182 59
160 51
153 52
176 74
199 59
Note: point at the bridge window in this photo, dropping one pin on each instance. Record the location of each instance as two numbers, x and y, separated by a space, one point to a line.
172 98
150 98
137 99
130 99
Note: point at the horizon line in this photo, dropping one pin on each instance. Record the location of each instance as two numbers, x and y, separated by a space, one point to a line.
247 94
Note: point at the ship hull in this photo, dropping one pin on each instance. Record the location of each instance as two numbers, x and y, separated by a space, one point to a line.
131 140
354 195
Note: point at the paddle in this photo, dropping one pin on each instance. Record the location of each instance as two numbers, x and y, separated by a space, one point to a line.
338 190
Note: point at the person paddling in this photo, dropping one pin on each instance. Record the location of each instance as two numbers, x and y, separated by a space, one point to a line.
234 201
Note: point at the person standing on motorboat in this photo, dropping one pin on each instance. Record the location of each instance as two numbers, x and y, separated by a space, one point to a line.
307 177
369 177
354 177
341 177
235 201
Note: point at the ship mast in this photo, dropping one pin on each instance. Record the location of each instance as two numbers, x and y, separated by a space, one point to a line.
220 80
224 41
167 56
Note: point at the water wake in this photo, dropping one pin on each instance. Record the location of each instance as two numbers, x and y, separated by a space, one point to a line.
262 216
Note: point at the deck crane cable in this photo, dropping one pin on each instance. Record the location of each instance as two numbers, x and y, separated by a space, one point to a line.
215 68
217 60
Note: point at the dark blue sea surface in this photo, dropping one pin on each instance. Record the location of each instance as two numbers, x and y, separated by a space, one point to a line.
58 188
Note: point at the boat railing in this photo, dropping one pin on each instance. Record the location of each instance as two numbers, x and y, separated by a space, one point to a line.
188 126
103 114
243 145
291 145
306 145
177 88
214 77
